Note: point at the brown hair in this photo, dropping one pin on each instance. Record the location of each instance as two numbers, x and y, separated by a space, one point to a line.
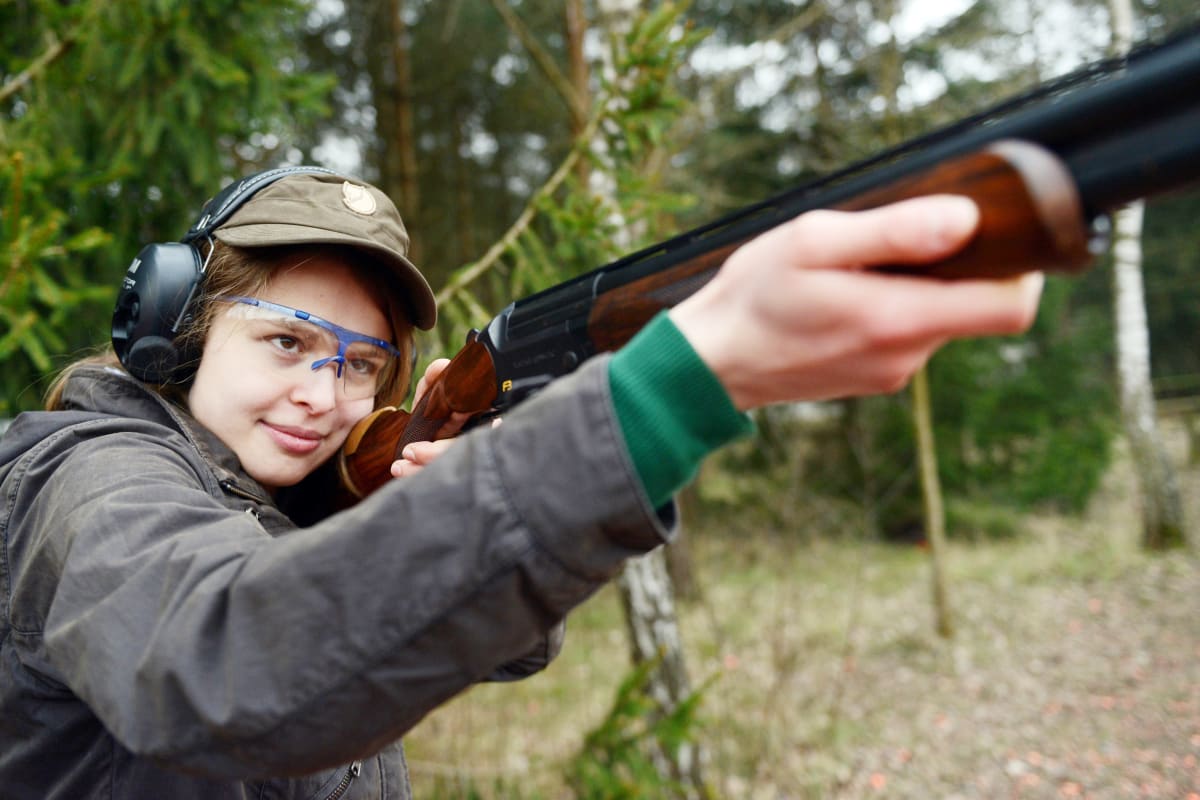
238 271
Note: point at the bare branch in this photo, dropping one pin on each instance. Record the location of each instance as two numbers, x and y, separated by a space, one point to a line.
56 50
684 129
489 259
543 59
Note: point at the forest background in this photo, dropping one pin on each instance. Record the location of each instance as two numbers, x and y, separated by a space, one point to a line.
527 142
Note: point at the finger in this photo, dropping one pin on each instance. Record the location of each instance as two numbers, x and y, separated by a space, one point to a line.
416 456
422 453
404 469
913 231
434 369
914 309
451 427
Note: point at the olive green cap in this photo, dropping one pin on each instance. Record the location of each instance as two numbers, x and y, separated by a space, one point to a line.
333 209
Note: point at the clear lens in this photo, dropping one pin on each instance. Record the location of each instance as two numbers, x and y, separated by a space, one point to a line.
290 341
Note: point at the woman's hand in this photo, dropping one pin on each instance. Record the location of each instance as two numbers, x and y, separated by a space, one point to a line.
795 315
417 454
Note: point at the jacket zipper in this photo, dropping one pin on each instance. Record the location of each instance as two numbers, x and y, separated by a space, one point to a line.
353 772
238 491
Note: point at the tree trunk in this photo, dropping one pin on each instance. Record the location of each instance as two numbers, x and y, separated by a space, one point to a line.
645 585
1162 509
403 161
681 567
922 405
648 599
464 199
931 496
394 145
575 28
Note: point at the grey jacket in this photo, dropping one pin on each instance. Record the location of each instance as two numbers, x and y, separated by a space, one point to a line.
167 631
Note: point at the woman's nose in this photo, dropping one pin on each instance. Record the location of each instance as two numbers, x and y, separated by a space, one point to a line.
318 387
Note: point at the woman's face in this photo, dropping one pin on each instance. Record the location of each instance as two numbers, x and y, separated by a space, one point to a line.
255 388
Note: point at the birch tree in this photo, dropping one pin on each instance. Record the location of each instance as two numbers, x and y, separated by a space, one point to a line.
647 594
1162 510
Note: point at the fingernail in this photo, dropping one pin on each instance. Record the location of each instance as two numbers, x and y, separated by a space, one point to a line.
407 454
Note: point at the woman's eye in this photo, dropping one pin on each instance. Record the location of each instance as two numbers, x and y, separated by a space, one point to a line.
288 344
363 366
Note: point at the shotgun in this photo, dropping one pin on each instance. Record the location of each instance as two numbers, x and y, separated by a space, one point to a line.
1045 168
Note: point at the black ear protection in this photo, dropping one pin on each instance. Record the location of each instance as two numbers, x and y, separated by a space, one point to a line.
157 297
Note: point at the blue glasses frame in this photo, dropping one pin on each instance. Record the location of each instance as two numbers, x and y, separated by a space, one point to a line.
345 336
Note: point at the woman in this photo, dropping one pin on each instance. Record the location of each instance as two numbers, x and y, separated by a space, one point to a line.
187 616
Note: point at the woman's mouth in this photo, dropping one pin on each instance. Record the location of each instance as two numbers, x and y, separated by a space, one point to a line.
298 441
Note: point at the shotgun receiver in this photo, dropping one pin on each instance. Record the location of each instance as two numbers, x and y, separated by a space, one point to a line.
1045 168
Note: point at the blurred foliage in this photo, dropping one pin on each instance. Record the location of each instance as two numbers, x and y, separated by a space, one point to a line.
40 296
1029 422
1171 248
117 120
575 228
1020 423
829 75
488 128
615 762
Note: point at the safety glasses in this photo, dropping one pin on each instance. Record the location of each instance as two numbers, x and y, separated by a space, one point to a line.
284 339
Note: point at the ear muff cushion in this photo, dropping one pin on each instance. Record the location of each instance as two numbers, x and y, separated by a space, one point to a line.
153 298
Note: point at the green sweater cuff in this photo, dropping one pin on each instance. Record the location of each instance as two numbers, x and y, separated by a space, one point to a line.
672 409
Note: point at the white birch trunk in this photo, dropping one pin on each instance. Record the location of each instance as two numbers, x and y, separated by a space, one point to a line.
645 584
1162 509
615 18
649 601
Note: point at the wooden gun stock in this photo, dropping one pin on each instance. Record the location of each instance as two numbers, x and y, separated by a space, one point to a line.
466 386
1031 218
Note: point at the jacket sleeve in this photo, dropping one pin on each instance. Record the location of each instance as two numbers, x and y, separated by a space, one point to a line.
536 660
202 642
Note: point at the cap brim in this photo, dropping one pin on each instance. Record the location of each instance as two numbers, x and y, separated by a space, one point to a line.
421 302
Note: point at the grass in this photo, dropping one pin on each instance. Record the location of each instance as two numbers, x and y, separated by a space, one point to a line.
1073 669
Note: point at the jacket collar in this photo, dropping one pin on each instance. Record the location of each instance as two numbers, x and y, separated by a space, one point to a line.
108 390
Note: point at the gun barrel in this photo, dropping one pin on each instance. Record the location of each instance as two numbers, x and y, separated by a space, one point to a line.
1144 105
1157 157
1124 128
